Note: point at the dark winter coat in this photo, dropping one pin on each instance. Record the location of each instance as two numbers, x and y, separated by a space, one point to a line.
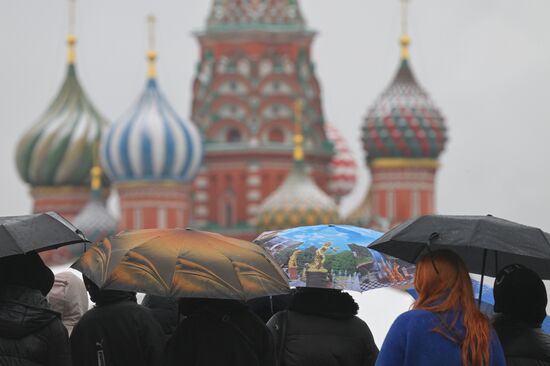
164 310
30 333
322 330
118 330
523 345
220 333
267 306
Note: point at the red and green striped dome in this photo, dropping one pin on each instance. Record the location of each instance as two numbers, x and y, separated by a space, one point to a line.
404 122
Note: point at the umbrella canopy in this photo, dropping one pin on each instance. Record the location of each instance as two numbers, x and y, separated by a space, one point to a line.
334 256
35 233
485 243
182 263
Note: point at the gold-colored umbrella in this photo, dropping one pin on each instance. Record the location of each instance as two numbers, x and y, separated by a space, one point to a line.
183 263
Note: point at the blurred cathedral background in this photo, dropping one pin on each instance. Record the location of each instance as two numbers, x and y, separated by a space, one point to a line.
256 153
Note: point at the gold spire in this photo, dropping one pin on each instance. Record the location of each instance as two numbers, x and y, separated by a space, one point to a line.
298 153
151 53
95 172
404 40
71 37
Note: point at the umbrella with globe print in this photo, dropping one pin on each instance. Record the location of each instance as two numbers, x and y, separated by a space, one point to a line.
335 256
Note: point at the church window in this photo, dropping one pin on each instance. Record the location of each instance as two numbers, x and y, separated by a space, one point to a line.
233 135
229 219
276 135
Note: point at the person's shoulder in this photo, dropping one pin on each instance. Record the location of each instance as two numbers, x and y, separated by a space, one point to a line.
90 314
56 326
415 315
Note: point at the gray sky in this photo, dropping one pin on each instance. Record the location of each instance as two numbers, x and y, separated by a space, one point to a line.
485 63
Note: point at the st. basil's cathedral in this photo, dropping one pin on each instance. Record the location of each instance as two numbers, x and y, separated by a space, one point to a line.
256 153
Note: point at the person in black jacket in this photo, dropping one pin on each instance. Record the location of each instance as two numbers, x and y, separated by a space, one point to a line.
267 306
30 333
164 310
116 332
321 328
520 302
219 333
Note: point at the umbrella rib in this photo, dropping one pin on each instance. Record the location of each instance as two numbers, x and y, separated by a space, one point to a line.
473 233
233 265
108 260
11 235
543 236
223 255
180 250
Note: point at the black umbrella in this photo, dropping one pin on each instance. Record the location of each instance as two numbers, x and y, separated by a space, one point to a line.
485 243
36 233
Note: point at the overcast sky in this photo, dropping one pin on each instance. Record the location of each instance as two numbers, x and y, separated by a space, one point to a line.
485 63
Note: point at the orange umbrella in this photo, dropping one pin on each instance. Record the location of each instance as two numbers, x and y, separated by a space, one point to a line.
183 263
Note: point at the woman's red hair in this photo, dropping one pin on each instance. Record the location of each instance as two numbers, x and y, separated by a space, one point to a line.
443 284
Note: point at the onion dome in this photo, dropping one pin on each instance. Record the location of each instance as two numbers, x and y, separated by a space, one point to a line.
298 200
152 143
95 220
266 15
343 168
404 122
57 150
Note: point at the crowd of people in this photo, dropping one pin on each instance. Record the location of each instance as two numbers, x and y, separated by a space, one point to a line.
45 321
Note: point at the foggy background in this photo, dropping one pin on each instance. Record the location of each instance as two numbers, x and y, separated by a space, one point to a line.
486 64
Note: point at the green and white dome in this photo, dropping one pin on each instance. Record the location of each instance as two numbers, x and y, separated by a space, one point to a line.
58 149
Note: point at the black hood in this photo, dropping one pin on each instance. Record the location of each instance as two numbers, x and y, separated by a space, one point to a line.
23 311
324 302
26 270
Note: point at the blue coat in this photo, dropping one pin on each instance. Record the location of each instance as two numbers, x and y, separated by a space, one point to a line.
411 341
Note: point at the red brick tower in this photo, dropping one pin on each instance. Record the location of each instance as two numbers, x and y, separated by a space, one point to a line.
403 135
255 61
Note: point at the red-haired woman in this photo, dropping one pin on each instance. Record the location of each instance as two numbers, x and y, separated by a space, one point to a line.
445 326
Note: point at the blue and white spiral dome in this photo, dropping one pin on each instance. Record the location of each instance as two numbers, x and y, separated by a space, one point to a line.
152 143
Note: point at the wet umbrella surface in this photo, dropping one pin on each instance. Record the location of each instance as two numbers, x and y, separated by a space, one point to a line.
36 232
485 243
183 263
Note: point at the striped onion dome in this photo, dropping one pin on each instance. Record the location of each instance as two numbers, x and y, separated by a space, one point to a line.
404 122
152 143
343 168
95 220
298 201
57 150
